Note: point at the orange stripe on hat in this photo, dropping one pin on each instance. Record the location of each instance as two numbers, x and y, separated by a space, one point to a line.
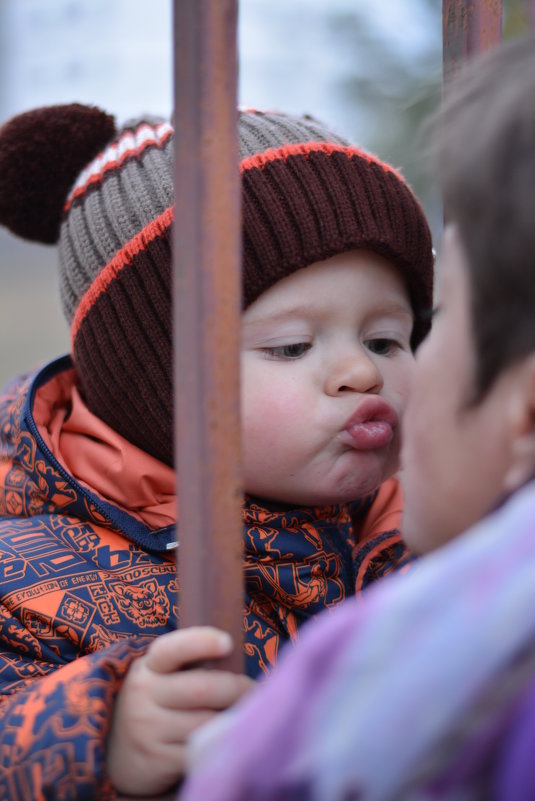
260 160
123 258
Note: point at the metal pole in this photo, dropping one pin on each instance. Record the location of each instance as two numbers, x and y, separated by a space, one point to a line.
468 27
207 305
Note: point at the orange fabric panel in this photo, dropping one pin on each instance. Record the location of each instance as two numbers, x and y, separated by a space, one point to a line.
385 512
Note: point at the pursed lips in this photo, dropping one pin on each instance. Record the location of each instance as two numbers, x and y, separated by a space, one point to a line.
371 426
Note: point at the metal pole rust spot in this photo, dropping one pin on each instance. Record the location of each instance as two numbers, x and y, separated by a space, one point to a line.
207 309
468 27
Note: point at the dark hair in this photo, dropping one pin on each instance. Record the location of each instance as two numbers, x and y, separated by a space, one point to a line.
484 154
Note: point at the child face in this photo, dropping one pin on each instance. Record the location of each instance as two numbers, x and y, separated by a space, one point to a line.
455 452
326 365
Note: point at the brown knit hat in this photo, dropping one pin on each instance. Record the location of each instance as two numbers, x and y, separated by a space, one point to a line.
106 197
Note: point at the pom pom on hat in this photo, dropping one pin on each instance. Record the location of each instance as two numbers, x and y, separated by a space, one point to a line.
42 153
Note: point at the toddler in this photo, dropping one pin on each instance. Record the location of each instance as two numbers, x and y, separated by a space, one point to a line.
337 272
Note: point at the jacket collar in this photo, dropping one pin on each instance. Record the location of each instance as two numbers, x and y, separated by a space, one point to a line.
59 488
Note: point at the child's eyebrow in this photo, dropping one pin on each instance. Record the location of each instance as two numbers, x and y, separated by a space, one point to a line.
283 313
393 308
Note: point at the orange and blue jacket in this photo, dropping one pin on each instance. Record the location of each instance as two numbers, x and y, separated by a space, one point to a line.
88 578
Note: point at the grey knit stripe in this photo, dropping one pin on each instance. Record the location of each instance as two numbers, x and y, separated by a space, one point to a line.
260 131
104 220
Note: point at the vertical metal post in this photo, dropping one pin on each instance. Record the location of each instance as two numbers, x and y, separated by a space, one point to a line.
207 305
468 27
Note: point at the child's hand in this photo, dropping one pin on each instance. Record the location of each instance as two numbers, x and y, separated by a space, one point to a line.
161 703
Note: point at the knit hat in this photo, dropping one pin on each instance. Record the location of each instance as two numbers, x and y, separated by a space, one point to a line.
106 196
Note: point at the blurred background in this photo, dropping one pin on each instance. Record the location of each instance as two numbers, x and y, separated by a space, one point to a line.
370 70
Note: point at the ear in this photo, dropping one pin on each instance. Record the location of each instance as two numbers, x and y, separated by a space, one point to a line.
521 420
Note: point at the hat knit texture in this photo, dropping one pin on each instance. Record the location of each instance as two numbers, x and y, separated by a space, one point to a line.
307 194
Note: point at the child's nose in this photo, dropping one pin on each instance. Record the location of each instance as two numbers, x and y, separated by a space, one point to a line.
353 372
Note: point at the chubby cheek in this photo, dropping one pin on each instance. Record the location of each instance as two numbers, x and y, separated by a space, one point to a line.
419 481
397 386
263 420
423 457
273 427
417 424
398 380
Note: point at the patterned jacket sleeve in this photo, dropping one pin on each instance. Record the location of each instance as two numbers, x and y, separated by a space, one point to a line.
265 634
54 720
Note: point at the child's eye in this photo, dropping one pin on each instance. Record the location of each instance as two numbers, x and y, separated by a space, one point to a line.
293 351
383 346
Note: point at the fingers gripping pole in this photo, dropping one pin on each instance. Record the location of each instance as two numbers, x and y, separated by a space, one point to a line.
207 303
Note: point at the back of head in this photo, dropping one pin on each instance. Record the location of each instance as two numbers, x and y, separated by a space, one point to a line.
106 196
485 159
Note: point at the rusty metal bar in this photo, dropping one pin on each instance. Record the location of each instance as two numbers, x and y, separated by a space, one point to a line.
207 303
468 27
